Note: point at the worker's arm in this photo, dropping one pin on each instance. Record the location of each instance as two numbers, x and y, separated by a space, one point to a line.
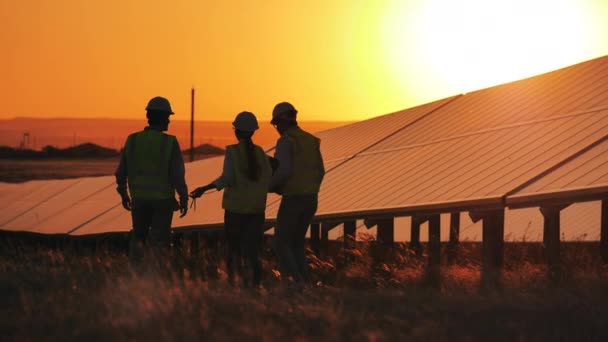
177 175
226 179
283 155
121 180
321 165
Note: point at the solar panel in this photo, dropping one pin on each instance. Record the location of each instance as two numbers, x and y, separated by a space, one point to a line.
53 216
581 87
21 201
584 175
343 142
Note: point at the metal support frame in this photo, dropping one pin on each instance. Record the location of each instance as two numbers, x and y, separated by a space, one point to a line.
325 228
350 230
434 240
454 242
434 249
604 231
386 232
551 239
492 248
315 238
415 233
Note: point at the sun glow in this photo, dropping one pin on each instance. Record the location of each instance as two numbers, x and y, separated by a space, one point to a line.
337 60
472 44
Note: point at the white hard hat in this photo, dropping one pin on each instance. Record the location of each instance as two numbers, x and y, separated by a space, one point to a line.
159 104
246 122
284 110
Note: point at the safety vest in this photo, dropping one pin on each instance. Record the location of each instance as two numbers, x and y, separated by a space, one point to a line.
148 156
305 176
246 196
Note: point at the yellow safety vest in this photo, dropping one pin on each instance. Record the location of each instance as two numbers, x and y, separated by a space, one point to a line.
148 156
246 196
306 160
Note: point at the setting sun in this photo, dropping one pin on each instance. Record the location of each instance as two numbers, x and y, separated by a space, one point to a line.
472 44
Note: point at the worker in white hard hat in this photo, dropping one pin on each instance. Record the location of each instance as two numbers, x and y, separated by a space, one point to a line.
153 168
245 179
298 179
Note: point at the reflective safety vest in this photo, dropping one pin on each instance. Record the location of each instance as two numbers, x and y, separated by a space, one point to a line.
306 161
148 156
246 196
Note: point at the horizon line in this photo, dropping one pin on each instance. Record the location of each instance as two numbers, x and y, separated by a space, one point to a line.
133 119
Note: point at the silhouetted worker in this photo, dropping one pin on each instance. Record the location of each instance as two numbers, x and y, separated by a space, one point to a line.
245 177
153 167
298 179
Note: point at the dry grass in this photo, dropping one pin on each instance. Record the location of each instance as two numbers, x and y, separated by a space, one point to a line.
55 295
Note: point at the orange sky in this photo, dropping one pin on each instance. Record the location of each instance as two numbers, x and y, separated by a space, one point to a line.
335 60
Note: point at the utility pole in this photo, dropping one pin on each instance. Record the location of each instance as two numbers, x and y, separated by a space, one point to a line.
192 125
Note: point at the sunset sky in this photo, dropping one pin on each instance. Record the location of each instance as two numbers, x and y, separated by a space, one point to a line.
334 60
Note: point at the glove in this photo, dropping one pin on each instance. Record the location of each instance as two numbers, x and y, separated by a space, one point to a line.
126 202
274 164
198 192
183 207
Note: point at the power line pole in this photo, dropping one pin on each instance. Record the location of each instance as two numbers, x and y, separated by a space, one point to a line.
192 125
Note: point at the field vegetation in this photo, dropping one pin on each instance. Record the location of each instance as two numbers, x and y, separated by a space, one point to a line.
362 294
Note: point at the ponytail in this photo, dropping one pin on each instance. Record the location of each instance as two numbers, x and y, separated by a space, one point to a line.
253 168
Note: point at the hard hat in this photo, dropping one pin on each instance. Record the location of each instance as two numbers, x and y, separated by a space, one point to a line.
246 122
159 104
283 110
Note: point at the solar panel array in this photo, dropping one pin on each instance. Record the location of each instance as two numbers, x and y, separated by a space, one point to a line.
471 169
539 138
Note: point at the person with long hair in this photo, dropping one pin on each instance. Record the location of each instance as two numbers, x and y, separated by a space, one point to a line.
245 179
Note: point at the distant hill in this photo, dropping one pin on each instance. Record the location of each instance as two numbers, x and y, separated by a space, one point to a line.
34 133
86 150
205 149
7 152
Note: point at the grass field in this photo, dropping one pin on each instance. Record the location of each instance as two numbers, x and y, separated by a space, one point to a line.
358 295
64 295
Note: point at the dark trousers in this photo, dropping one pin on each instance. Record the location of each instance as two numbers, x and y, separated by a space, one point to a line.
243 237
293 219
151 225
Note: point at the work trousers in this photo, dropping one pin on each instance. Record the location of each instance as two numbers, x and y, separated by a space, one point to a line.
151 226
243 237
293 219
